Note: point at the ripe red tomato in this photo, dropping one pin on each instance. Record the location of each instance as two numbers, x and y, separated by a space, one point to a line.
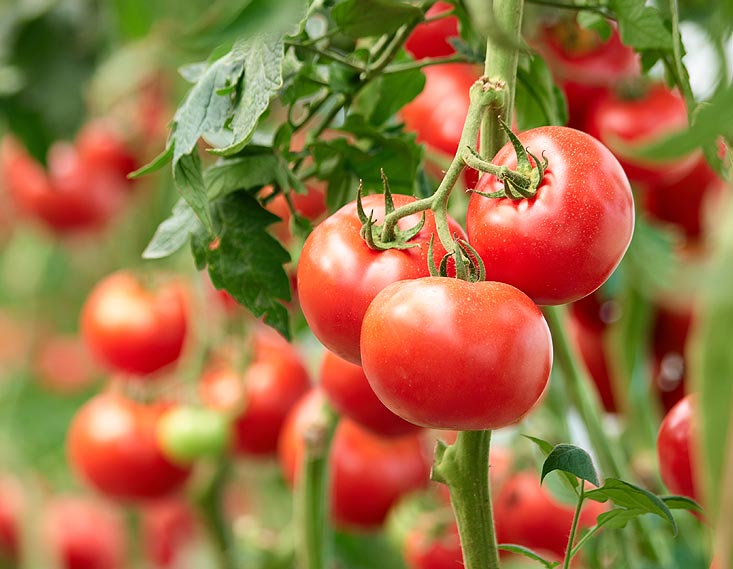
134 329
347 389
433 547
112 444
430 39
11 511
675 448
168 526
449 354
262 396
84 534
563 243
640 120
584 65
102 148
63 364
368 473
438 113
526 514
339 275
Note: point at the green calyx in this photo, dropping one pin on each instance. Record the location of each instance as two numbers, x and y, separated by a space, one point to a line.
519 184
383 237
469 266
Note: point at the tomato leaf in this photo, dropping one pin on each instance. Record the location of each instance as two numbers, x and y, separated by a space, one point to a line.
389 93
365 551
641 26
595 21
570 480
573 460
263 58
618 517
631 497
539 102
366 18
174 232
241 173
521 550
682 503
190 182
246 260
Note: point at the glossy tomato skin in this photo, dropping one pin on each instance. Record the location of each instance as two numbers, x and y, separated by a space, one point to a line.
83 533
132 329
112 444
263 396
438 113
448 354
563 243
659 112
675 448
431 39
526 514
339 275
348 391
368 473
426 551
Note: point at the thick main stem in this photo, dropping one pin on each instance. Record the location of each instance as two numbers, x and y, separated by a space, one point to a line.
464 467
209 503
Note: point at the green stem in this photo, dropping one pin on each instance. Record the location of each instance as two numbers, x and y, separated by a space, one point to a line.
464 467
425 62
311 494
583 540
502 58
327 54
209 504
683 80
574 527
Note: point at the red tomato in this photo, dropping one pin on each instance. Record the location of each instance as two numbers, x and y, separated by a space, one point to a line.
168 526
311 205
262 396
11 510
638 121
348 391
84 534
63 364
585 66
133 329
526 514
563 243
433 548
449 354
112 444
682 203
431 39
368 473
669 338
102 147
438 113
339 275
675 448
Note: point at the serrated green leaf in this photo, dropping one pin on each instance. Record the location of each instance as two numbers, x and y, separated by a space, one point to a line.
190 182
241 173
641 26
247 261
682 503
365 18
521 550
263 57
595 21
632 497
618 517
174 232
155 164
573 460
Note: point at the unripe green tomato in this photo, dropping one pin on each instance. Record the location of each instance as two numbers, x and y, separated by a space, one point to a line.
186 434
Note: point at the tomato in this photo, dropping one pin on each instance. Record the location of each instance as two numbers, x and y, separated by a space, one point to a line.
584 65
526 514
83 533
168 526
112 444
339 275
311 205
622 123
433 548
669 338
134 329
682 203
368 473
563 243
675 448
102 147
449 354
63 364
430 39
438 113
11 510
186 434
261 398
348 391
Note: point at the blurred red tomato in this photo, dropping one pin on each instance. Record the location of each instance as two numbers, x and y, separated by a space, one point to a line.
101 147
430 39
168 526
311 205
11 510
433 547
